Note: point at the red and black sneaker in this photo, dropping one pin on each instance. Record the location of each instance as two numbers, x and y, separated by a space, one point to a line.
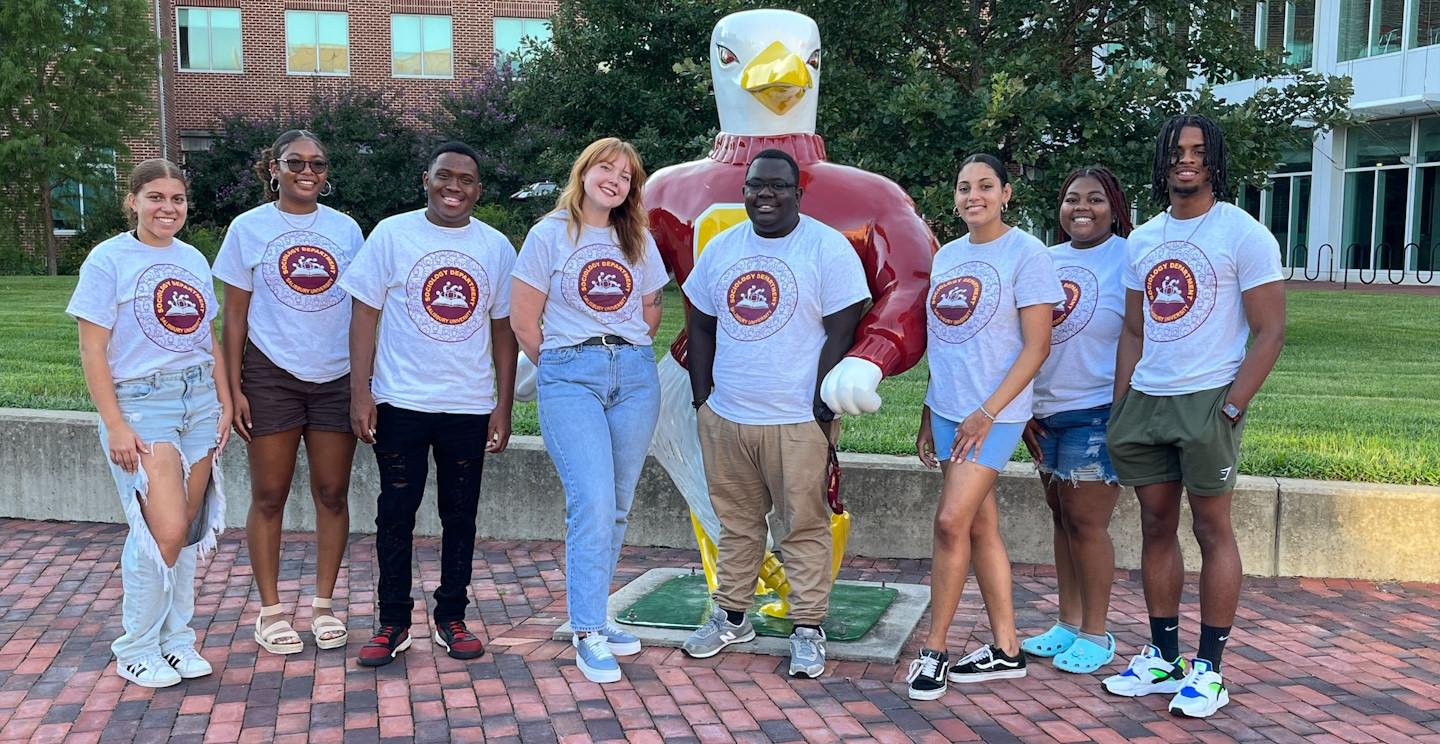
458 641
388 642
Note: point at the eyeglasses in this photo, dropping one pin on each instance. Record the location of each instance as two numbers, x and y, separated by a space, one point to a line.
297 165
778 187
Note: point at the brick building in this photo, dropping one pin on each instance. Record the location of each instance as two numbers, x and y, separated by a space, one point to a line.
222 57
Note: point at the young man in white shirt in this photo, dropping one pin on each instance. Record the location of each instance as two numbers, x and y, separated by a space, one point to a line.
1201 278
774 306
436 282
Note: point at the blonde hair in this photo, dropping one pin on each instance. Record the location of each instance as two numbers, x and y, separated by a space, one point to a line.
146 171
629 219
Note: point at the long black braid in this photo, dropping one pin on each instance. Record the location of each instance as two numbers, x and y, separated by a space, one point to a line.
1215 157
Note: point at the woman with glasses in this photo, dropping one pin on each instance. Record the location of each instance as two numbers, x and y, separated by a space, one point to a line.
285 334
585 304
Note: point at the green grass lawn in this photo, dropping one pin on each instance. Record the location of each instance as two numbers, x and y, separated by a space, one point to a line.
1356 395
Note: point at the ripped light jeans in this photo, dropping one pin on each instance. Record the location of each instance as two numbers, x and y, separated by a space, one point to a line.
1073 448
598 408
178 408
403 442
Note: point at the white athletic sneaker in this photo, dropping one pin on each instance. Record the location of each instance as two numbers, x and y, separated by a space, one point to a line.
1148 673
148 671
188 662
1202 694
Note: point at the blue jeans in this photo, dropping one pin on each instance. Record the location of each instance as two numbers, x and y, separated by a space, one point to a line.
1073 448
598 407
994 452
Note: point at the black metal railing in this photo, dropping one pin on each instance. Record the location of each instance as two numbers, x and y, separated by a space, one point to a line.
1364 262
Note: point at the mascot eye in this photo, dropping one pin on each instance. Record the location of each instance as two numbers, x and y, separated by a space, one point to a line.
814 60
727 57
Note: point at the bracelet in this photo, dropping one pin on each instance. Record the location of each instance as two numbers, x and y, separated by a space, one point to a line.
986 413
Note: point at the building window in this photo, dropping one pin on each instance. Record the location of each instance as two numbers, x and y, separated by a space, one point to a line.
208 39
420 46
1289 27
510 34
1371 27
1283 205
1379 174
317 43
73 198
1424 22
1425 226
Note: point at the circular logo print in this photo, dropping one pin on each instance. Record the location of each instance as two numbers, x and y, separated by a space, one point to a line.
760 295
963 300
1082 296
596 281
1179 290
301 269
443 293
170 308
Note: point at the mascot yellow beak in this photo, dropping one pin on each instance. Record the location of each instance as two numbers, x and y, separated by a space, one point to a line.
777 78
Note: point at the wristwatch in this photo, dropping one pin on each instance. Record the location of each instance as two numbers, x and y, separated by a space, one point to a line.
1232 412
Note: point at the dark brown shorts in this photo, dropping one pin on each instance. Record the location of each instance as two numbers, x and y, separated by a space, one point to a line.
280 402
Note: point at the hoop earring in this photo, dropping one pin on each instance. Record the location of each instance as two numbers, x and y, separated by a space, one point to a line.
329 188
275 185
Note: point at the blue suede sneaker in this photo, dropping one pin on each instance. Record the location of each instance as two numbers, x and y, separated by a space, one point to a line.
592 655
621 642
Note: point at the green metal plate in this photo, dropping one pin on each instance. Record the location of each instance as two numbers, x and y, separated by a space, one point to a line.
684 602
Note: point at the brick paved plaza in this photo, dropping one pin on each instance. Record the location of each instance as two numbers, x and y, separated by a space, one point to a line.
1311 661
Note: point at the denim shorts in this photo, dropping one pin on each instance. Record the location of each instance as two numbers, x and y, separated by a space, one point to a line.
994 452
178 408
1073 448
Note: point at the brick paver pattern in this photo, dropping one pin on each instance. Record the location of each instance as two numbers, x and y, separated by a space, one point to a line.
1311 660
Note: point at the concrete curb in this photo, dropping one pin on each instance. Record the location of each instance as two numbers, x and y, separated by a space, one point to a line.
52 469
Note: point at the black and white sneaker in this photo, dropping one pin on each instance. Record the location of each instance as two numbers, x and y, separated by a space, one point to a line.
927 675
988 663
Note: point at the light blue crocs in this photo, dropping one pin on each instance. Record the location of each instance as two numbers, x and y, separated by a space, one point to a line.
1085 656
1056 640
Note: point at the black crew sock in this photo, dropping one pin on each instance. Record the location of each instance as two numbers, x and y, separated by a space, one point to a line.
735 617
1212 644
1165 634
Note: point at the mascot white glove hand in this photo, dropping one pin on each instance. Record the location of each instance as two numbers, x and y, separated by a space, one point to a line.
525 373
850 388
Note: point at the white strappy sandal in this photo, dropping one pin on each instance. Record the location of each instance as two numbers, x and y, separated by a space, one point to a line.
324 623
277 637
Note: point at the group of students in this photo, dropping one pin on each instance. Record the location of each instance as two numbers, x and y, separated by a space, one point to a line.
1116 357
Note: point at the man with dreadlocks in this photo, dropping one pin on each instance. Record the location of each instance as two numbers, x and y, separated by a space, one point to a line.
1200 278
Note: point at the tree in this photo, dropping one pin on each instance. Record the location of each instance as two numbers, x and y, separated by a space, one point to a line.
910 88
75 80
376 158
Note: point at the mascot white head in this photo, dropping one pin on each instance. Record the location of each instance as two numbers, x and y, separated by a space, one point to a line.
765 65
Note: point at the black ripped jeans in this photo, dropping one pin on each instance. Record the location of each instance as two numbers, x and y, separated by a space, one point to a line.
403 441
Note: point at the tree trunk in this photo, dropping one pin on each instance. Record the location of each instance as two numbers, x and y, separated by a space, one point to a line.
52 247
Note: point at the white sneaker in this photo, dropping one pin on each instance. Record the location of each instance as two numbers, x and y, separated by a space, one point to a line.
1148 673
188 662
148 671
1202 694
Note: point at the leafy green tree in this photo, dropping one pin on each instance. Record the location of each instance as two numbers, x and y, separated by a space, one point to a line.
75 80
376 157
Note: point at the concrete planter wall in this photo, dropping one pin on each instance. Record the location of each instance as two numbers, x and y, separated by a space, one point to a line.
50 468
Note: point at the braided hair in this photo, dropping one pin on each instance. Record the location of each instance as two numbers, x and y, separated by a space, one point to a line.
1166 145
1120 223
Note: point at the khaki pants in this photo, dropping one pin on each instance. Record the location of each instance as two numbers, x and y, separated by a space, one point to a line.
749 469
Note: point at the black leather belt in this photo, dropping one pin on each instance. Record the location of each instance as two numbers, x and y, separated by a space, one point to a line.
606 340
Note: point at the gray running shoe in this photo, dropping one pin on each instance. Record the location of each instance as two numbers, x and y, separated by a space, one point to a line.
717 633
807 652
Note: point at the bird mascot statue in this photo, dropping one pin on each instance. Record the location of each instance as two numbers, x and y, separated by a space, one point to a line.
765 66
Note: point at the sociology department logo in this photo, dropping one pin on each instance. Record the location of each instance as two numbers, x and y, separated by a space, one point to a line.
170 308
1072 314
596 282
963 300
443 293
1179 289
301 269
760 297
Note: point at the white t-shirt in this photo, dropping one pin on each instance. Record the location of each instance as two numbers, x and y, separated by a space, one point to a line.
1192 273
1085 328
300 318
769 296
592 289
973 319
157 302
438 289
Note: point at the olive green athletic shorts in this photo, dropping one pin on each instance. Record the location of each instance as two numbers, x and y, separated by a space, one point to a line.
1162 439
